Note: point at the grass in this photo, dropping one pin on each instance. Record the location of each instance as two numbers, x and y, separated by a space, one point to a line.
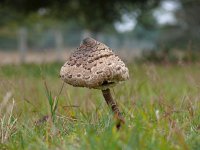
161 105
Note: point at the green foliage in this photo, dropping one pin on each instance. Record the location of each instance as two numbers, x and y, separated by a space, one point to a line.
31 70
91 15
160 104
53 103
171 56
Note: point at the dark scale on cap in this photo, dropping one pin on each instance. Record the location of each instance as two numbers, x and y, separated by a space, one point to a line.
118 68
78 75
78 64
98 72
89 42
86 77
69 76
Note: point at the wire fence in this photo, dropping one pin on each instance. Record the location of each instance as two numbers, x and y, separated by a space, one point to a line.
56 43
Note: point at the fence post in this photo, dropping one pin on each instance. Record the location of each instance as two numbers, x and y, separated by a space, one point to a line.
59 44
22 44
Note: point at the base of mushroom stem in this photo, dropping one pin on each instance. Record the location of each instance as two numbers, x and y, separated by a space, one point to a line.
113 105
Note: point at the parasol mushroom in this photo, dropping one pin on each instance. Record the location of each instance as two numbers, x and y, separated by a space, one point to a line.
94 65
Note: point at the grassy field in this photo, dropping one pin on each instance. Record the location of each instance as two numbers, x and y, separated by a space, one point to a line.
161 105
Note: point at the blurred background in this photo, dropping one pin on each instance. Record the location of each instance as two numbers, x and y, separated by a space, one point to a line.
149 30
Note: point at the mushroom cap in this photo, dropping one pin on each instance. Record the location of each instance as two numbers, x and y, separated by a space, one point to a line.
93 65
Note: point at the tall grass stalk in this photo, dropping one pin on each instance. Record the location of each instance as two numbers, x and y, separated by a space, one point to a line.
7 121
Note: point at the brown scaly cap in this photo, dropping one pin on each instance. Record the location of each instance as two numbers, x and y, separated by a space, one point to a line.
93 65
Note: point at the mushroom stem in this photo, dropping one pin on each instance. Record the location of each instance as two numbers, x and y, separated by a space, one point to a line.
111 103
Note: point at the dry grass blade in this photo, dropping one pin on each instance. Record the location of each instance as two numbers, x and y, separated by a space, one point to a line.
8 122
53 103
